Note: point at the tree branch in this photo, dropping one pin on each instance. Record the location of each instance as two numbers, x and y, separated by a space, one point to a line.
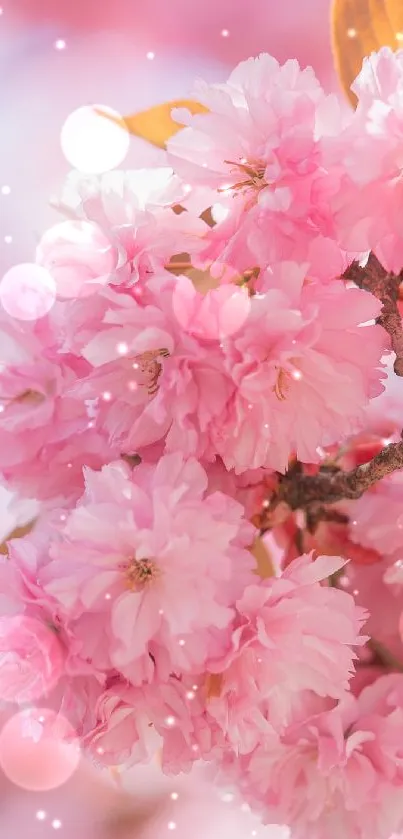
312 493
385 287
327 487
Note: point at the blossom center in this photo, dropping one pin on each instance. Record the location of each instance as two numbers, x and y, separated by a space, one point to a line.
282 384
28 397
252 175
140 573
150 367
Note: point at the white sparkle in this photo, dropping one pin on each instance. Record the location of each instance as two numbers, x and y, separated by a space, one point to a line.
266 425
195 747
150 56
170 721
174 796
5 190
351 32
227 797
56 823
69 466
160 611
108 596
132 385
122 348
8 240
194 687
187 188
41 815
106 396
386 441
100 750
182 642
190 694
63 517
296 374
399 36
225 33
135 366
355 592
171 825
254 832
250 406
60 44
90 424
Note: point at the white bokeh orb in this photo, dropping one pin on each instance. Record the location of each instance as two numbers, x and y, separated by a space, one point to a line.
92 143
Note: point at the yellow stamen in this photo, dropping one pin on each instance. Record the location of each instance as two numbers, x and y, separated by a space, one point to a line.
282 384
140 573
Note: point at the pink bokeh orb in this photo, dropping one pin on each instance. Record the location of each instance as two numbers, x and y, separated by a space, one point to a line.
92 143
27 291
38 750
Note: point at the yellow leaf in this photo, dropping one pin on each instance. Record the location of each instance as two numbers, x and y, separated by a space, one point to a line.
360 27
156 124
264 565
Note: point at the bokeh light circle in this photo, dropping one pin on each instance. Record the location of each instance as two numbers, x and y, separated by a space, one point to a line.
27 291
93 143
79 256
38 750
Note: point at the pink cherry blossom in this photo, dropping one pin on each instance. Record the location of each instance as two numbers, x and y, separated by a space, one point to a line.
158 570
31 659
260 146
336 772
126 229
293 636
300 384
368 204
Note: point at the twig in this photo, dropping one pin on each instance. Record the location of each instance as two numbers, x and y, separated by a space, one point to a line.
384 656
375 279
312 493
301 491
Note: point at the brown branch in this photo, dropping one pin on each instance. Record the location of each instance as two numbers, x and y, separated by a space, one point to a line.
375 279
328 487
384 656
312 493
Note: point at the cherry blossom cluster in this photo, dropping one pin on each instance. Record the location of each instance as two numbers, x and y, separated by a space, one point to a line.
201 456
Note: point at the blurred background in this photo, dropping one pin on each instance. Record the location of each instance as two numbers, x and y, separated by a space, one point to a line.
55 56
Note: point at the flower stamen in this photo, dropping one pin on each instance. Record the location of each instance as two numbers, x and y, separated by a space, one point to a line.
140 573
282 385
253 176
151 367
